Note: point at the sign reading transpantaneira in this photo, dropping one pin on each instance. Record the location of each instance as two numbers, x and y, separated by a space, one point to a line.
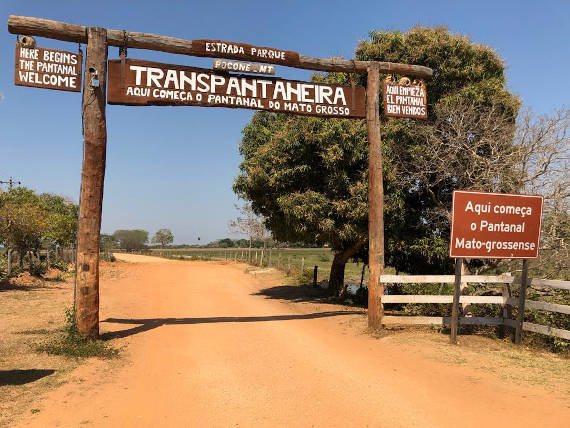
152 83
405 99
47 68
495 225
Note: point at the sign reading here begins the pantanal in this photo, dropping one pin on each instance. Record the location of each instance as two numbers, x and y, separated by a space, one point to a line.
152 83
495 225
47 68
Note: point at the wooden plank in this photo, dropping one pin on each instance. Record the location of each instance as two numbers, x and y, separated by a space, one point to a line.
77 33
483 279
446 279
550 331
92 179
153 83
48 68
375 200
418 320
542 306
442 299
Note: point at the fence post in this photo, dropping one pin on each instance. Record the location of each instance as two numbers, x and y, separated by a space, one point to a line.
261 260
270 253
9 267
302 265
315 270
507 308
289 265
279 261
522 300
455 308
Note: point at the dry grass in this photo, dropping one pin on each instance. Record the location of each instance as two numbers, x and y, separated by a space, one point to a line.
511 363
31 312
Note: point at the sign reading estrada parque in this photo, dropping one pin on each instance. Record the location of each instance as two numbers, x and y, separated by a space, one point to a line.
495 225
152 83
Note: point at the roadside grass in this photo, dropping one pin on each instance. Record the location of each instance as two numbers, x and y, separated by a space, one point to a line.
72 345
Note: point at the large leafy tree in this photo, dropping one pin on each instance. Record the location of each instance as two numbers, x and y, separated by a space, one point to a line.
163 237
309 176
62 219
131 239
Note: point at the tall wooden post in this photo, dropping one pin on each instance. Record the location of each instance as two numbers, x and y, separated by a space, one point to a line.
522 301
375 200
455 307
92 178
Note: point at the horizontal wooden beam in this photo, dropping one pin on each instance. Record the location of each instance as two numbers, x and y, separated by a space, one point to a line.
413 320
78 33
426 298
541 306
486 279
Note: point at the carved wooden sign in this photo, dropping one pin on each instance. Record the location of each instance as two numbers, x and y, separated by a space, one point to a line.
405 99
243 51
47 68
244 67
495 225
152 83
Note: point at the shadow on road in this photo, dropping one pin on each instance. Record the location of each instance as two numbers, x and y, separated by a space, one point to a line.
152 323
21 377
296 293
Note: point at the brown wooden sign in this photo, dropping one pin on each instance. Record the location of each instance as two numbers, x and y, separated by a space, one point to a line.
495 225
405 99
244 67
48 68
243 51
152 83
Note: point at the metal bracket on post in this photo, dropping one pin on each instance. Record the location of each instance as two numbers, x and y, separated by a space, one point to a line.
455 308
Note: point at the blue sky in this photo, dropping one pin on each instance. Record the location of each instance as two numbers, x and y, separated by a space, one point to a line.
174 166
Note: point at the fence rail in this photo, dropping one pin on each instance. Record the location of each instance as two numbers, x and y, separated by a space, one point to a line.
505 300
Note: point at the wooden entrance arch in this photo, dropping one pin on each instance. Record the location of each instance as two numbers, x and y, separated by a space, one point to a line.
95 137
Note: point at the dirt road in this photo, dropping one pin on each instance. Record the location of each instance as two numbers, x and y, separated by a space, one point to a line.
206 346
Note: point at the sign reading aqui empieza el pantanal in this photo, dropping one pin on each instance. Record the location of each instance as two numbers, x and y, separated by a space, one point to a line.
48 68
404 99
152 83
495 225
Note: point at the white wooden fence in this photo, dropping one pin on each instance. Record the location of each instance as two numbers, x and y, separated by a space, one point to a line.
505 300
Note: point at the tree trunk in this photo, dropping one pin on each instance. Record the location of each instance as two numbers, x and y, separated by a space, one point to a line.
336 278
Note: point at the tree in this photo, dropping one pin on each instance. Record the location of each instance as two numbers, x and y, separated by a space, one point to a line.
309 178
163 237
250 224
23 220
62 219
131 239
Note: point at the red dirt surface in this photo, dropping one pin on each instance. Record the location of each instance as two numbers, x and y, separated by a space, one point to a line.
204 348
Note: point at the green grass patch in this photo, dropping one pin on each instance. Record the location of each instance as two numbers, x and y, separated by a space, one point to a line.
72 345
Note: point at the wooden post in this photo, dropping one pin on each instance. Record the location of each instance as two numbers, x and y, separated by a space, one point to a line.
507 308
261 260
522 301
375 200
92 178
315 271
279 261
270 254
9 267
289 266
362 275
455 307
302 265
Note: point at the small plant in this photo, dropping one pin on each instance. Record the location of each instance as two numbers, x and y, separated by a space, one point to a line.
324 258
38 269
71 344
305 277
108 257
60 265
